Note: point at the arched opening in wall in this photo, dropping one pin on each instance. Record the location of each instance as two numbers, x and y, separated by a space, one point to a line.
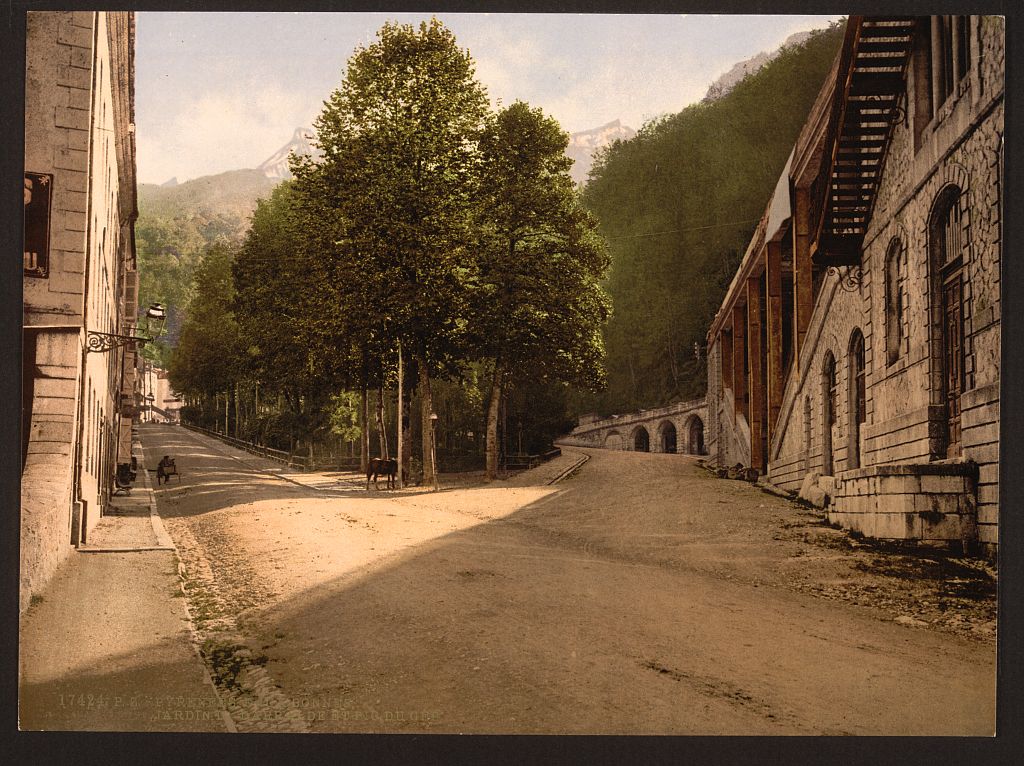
857 408
667 436
948 245
696 436
828 411
641 440
807 435
895 258
613 440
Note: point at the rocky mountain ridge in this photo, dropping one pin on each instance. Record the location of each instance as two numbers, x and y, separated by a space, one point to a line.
584 144
301 143
728 81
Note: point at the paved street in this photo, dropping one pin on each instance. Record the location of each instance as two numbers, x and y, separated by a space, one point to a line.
639 595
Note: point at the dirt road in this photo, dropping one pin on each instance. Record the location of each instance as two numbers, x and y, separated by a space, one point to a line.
640 595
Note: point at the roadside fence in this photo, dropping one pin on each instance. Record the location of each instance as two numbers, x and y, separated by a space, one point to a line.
284 457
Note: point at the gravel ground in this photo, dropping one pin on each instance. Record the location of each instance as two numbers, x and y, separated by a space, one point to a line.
639 595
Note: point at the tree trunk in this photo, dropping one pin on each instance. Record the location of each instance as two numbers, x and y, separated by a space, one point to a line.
426 410
382 433
238 405
493 408
227 404
504 427
364 430
400 412
406 419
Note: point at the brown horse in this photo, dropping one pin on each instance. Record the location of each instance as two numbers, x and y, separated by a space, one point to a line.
379 466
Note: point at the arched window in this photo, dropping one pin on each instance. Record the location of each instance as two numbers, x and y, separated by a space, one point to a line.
807 434
858 397
641 440
696 436
667 435
895 260
949 237
828 411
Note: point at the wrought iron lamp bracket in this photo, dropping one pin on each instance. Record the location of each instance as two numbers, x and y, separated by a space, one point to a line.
101 342
899 106
849 276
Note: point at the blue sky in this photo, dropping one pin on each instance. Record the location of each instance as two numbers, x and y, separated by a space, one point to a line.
221 91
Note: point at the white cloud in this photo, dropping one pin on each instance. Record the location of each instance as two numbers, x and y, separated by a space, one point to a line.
595 71
220 130
219 92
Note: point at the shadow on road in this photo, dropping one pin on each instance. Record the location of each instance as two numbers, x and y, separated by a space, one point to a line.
652 605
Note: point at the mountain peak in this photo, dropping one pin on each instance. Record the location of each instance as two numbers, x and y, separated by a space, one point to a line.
276 165
584 144
749 66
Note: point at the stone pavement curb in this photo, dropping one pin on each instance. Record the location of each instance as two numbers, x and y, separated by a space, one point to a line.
108 633
167 543
584 457
252 700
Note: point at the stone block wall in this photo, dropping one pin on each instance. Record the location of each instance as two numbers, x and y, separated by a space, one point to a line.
58 81
903 399
619 431
46 479
77 114
928 501
727 433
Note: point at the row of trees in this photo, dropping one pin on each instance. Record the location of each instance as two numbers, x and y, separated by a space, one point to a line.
432 236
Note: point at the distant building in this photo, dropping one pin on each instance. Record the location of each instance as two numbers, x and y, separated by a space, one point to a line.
80 284
856 355
160 402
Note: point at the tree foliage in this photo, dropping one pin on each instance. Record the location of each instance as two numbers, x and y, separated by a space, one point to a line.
678 204
398 178
398 139
210 351
537 304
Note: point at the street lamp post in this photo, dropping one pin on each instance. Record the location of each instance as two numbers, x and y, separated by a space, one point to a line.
433 448
101 342
401 411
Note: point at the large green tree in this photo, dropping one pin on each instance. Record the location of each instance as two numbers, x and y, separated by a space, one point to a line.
278 308
399 160
538 306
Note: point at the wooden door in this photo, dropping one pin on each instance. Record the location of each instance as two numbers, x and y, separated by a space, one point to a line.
953 356
858 398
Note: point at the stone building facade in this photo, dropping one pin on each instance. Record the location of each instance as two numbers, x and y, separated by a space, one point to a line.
80 283
856 356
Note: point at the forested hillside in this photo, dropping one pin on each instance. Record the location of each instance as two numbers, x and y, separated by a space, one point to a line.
178 223
678 204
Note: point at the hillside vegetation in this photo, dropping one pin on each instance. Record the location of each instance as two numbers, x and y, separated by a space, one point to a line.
678 205
177 224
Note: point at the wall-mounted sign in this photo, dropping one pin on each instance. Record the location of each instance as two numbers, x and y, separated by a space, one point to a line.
38 187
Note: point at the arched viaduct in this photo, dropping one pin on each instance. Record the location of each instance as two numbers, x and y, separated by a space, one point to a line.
676 428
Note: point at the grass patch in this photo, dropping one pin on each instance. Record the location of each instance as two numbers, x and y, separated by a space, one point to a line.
228 660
